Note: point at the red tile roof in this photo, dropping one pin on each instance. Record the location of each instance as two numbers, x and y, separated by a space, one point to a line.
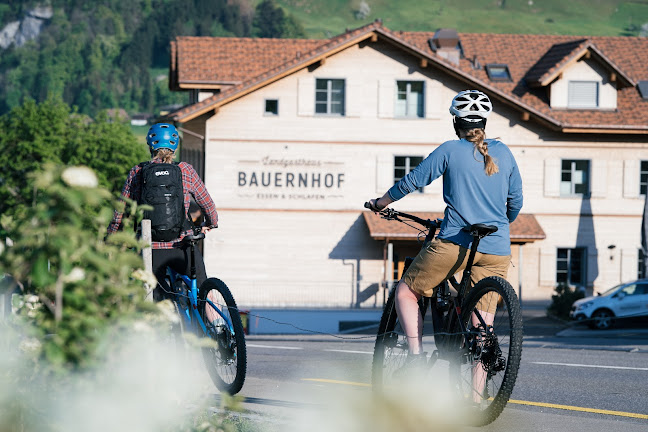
524 229
246 64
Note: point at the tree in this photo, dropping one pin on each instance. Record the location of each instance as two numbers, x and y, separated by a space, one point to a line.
35 134
270 21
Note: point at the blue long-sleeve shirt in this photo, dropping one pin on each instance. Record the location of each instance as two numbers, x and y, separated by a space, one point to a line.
470 194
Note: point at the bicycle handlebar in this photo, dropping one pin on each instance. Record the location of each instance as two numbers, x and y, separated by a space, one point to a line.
391 214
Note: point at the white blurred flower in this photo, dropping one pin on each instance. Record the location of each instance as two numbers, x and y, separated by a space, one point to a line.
169 311
77 274
31 299
30 345
142 327
80 176
145 276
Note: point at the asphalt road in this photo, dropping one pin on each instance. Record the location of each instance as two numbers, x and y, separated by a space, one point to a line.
572 379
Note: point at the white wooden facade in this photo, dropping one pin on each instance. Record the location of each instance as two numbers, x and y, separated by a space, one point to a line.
290 187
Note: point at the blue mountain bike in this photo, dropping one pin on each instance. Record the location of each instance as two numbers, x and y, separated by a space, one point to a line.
210 311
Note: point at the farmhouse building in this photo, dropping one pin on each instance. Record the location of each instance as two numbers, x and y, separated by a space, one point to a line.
293 136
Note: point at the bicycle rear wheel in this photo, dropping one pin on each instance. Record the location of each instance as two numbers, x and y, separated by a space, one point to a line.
489 364
227 362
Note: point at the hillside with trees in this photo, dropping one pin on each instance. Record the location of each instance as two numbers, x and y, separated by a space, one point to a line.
115 53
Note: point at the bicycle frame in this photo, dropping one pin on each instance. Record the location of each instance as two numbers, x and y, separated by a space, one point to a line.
455 311
192 295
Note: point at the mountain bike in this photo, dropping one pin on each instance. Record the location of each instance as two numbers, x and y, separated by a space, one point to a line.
482 351
210 311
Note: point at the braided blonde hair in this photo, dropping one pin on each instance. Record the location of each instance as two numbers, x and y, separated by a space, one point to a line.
164 155
477 136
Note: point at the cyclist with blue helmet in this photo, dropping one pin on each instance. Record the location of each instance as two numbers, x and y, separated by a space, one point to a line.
163 140
481 184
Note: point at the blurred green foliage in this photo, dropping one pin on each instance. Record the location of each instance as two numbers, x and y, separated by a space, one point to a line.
76 286
37 133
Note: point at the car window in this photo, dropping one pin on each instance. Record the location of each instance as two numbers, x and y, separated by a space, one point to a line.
630 290
642 289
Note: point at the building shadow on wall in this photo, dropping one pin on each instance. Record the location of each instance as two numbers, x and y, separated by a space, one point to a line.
586 238
354 246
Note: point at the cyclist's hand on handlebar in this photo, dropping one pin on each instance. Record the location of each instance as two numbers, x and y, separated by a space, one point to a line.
372 205
206 229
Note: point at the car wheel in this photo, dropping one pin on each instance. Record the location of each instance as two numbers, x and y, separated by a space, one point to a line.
602 319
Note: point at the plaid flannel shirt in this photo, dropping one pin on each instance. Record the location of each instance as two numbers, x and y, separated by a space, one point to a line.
191 185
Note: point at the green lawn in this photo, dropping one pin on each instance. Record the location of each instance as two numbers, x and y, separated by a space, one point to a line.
326 18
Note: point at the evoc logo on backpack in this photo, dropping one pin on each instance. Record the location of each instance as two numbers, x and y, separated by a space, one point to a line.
162 189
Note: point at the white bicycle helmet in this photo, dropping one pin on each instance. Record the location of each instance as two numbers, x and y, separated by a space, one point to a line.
472 106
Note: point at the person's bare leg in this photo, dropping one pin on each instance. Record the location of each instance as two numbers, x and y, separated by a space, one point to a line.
478 372
409 316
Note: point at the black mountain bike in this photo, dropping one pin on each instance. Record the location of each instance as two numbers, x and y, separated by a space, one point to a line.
482 350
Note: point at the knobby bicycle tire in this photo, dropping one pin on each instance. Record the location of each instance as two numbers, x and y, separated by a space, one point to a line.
494 355
226 363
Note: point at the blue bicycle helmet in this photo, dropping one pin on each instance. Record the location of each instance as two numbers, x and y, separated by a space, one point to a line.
163 135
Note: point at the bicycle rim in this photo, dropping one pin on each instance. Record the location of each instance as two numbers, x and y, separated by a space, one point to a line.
226 360
488 367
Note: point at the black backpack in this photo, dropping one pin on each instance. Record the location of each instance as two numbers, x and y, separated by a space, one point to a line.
162 189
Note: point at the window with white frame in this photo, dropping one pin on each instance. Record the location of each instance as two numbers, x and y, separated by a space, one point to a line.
329 96
643 177
409 99
574 177
583 94
570 266
403 165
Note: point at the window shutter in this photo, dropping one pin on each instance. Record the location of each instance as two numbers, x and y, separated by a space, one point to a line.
547 267
552 177
306 96
582 94
629 264
354 98
631 178
599 178
384 173
431 93
386 92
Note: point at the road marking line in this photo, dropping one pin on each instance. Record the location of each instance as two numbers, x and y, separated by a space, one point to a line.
329 381
348 351
591 366
519 402
575 408
273 347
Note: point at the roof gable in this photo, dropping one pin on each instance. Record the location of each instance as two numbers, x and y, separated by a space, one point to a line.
561 55
531 59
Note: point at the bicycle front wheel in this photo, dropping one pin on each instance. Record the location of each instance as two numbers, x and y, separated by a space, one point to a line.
391 347
226 362
489 366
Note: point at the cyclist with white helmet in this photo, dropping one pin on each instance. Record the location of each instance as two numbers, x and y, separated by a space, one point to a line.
169 250
481 184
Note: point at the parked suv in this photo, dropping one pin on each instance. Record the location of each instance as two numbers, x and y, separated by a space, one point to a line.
627 300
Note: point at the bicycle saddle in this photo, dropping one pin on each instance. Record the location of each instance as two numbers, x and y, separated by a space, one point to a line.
481 230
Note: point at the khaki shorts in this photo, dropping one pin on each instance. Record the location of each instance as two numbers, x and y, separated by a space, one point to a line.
440 259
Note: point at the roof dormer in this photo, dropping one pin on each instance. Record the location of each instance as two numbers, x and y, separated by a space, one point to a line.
578 75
